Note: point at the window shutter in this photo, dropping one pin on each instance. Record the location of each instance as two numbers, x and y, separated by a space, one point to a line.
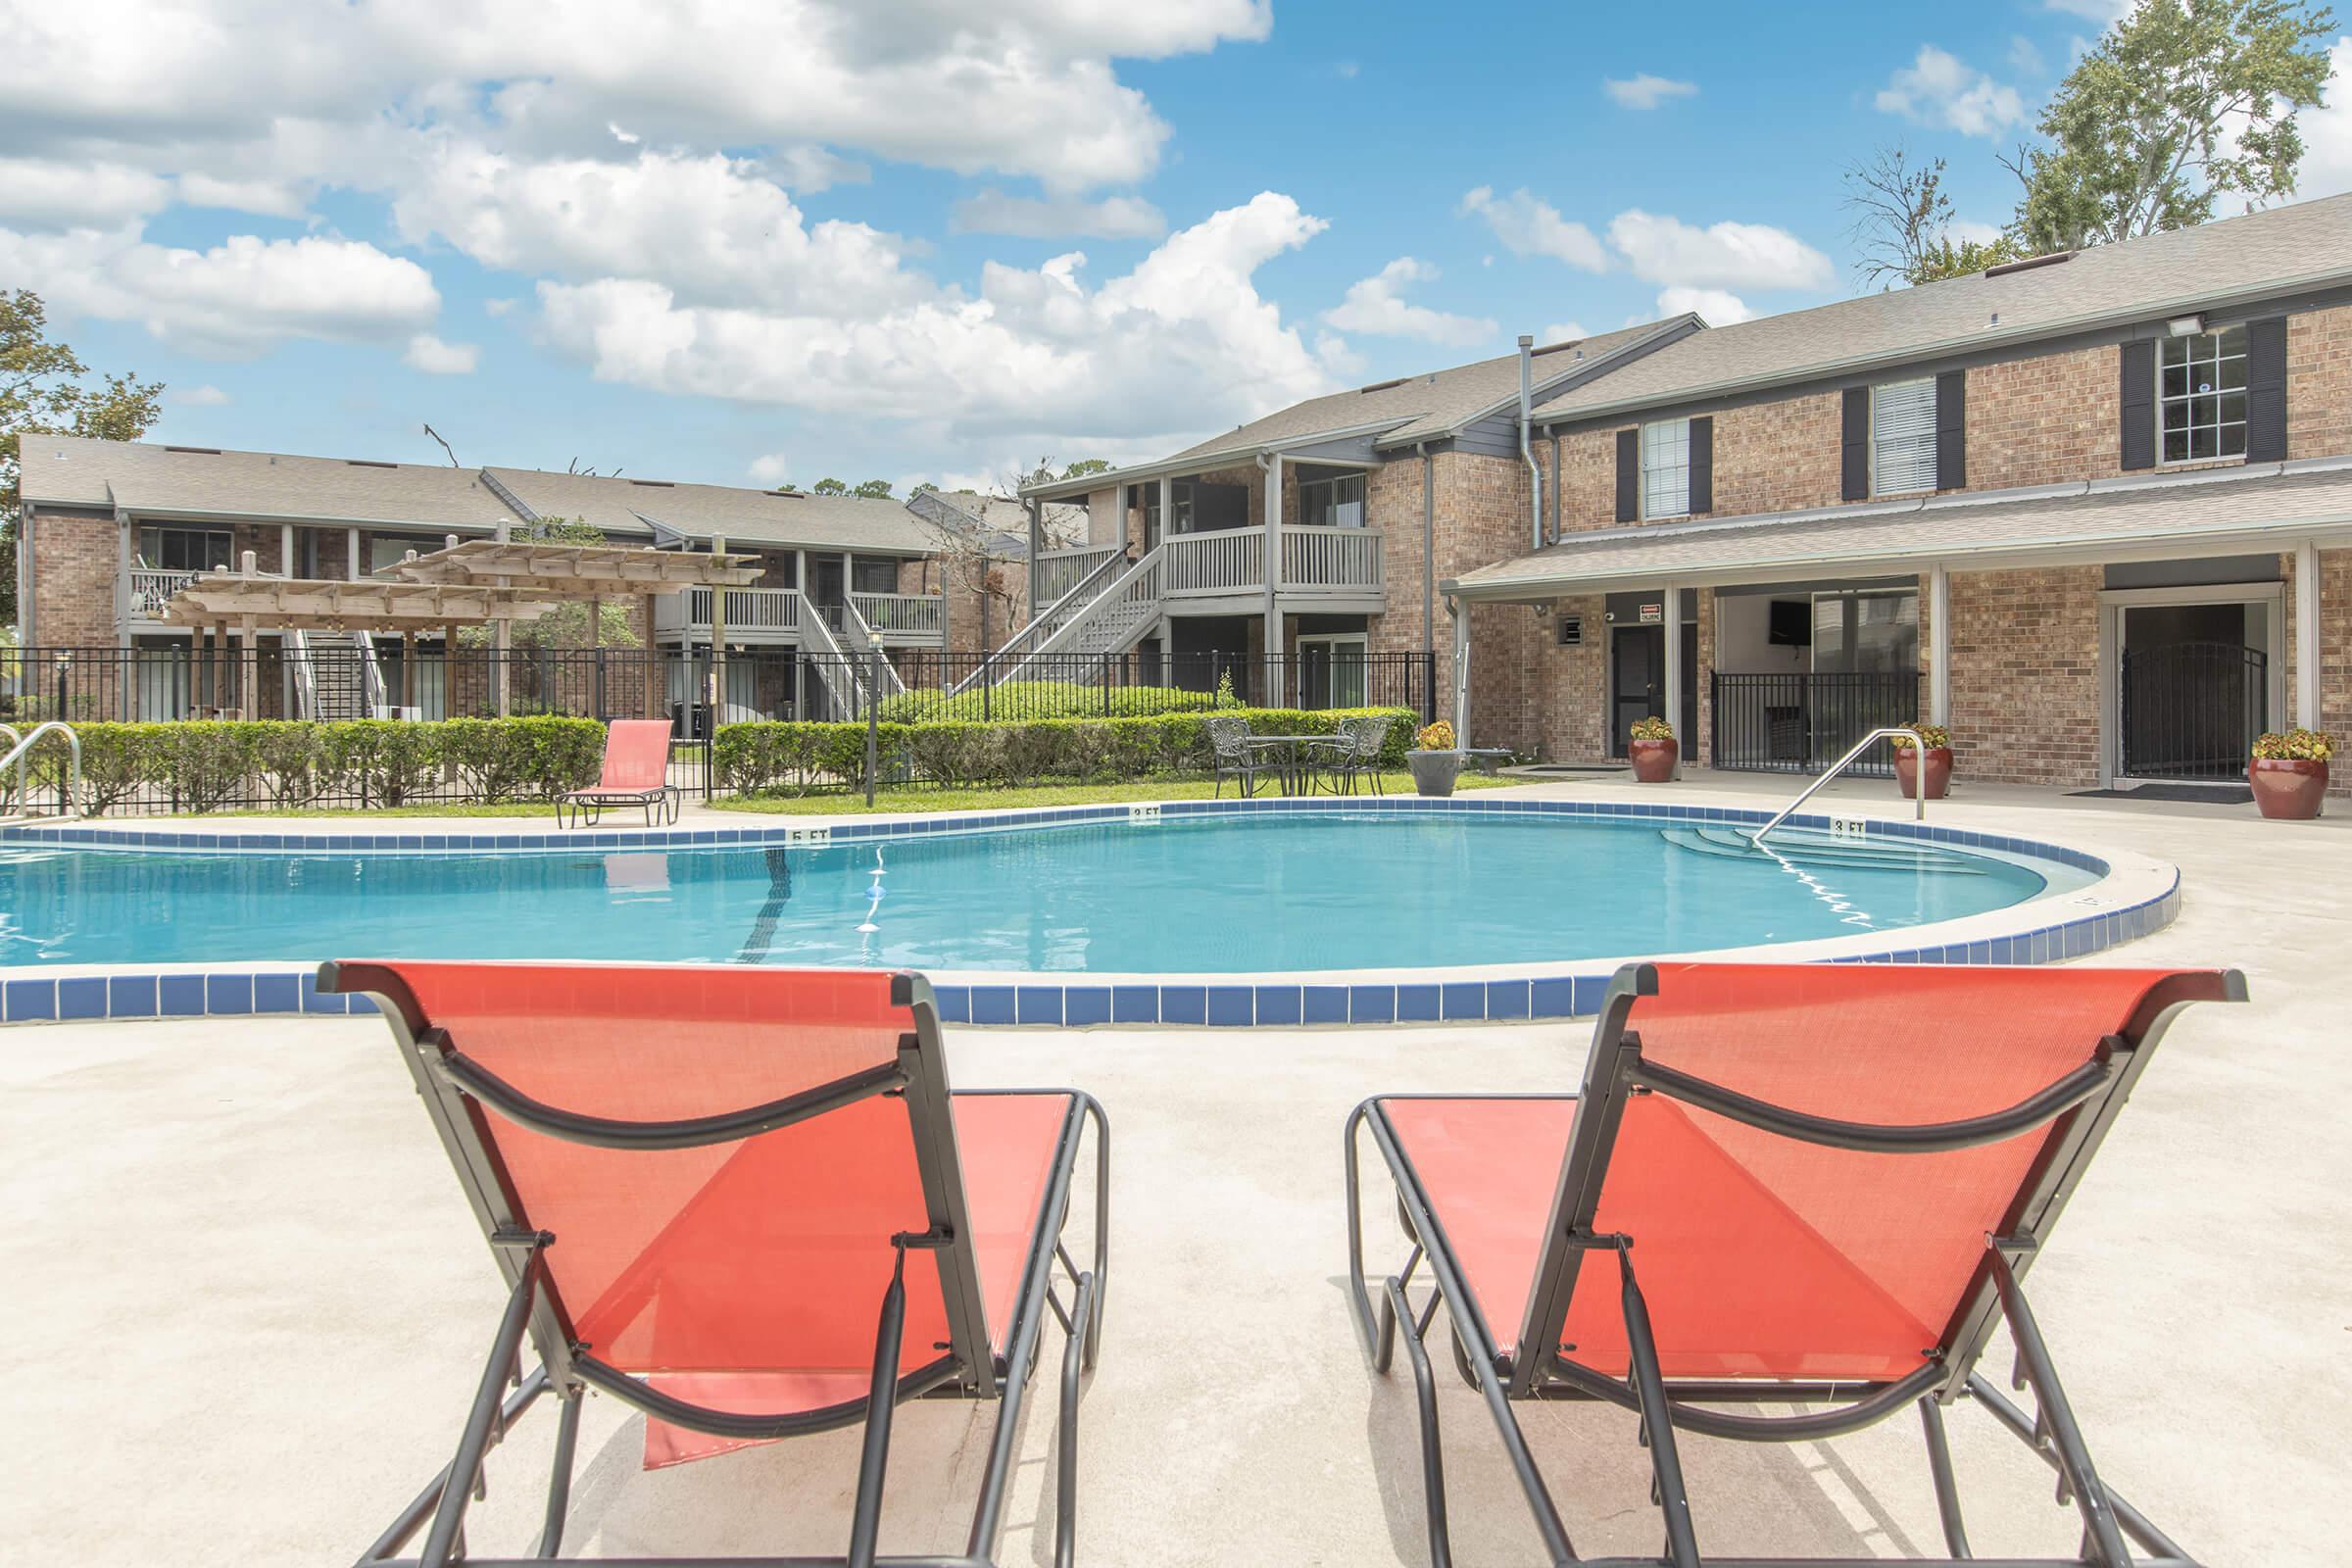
1951 430
1854 466
2139 435
1702 465
1629 476
2266 390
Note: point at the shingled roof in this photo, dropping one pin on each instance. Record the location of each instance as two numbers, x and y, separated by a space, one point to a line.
699 512
266 486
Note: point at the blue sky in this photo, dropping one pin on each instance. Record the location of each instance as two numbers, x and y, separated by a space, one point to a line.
760 243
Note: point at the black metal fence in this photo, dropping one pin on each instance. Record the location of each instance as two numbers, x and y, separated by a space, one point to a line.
2191 711
1802 723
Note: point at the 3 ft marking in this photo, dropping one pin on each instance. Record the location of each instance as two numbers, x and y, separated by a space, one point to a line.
1850 827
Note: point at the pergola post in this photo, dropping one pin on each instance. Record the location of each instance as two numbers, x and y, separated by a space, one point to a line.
1673 673
1037 549
1273 576
249 667
408 668
718 639
449 670
653 693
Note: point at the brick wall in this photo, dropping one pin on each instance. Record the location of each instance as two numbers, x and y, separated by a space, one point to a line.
2025 676
74 562
2319 383
1777 457
2043 420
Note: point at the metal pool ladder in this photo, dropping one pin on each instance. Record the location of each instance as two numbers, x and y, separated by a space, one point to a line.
23 745
1919 776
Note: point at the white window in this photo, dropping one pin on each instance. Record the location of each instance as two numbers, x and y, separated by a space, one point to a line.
1666 469
1902 437
1332 670
2201 395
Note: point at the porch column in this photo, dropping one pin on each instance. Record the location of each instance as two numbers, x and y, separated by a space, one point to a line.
352 543
285 551
1939 646
1460 611
1673 673
1273 576
718 635
2307 634
1167 506
1037 548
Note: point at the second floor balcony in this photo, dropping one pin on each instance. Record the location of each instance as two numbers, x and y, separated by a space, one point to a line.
1338 565
783 615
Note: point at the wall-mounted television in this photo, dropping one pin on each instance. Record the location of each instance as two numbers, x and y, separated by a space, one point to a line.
1792 623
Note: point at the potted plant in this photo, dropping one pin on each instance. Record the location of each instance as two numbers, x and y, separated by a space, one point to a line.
1654 750
1435 759
2290 772
1939 762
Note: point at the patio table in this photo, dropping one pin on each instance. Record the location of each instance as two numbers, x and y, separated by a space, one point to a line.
1288 756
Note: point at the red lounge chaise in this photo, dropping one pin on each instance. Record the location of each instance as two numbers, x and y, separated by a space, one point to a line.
636 773
1814 1184
743 1201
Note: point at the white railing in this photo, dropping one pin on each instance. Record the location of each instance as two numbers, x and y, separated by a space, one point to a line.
1110 621
749 609
1060 571
1229 560
1056 613
902 617
1919 779
150 588
833 664
1343 560
874 668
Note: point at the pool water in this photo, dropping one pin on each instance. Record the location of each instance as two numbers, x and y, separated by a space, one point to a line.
1235 893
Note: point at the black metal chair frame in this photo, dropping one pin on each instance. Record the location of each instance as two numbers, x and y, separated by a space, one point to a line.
2086 1101
586 808
455 1089
1352 754
1238 764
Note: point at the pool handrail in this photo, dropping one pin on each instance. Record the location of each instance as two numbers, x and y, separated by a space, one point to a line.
1918 778
23 744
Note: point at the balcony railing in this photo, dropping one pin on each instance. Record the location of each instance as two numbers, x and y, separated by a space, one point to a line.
903 618
150 588
1340 560
756 611
1060 571
1343 563
1228 561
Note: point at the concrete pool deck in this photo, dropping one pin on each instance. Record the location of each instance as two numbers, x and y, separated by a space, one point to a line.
251 1304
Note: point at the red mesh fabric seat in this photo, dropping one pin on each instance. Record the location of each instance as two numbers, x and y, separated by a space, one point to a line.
636 758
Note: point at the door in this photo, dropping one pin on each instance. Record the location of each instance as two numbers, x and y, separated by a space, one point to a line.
827 587
2193 685
1638 683
1331 671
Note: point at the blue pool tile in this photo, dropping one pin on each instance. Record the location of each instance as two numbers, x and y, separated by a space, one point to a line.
229 994
1465 1000
1082 1005
1278 1005
955 1004
1038 1003
130 996
315 1000
1183 1003
1417 1004
182 995
32 999
992 1005
1506 998
1552 998
1231 1007
1372 1003
1591 988
278 992
81 998
1135 1005
1323 1003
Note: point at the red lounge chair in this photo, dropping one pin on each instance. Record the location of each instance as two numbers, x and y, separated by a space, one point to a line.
702 1184
1832 1180
636 773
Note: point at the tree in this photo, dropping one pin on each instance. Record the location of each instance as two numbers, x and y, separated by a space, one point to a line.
2179 104
1903 223
874 490
566 625
828 487
43 391
1084 467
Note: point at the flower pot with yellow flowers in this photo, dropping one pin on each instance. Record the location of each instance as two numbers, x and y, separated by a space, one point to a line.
1435 759
2289 773
1654 750
1939 769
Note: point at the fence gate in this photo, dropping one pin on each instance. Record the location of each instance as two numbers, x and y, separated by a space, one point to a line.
2191 711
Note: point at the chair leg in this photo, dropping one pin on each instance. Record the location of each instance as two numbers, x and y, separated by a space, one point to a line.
1939 1466
482 1423
1657 1417
881 1401
1074 1357
1398 1312
558 1480
2103 1539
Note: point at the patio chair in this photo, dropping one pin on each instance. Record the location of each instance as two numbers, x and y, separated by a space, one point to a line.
636 773
1830 1180
1352 754
1230 753
743 1201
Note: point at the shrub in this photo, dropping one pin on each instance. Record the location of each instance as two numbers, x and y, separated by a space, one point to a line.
1024 700
2294 745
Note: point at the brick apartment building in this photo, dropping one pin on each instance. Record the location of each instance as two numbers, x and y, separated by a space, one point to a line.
2092 511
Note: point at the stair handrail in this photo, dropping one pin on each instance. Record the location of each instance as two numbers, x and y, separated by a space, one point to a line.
306 674
1145 567
831 661
16 754
15 739
1920 779
373 696
863 639
1044 624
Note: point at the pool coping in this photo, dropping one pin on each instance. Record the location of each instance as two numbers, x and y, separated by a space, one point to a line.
2132 896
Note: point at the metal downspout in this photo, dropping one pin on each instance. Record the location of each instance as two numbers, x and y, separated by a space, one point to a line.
1526 451
1429 549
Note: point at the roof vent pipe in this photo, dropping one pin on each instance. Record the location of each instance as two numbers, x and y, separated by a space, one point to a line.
1527 451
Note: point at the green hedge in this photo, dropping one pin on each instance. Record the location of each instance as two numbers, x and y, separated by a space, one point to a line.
803 756
204 765
1042 698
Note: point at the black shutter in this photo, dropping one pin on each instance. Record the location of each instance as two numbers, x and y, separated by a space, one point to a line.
1854 467
2266 390
1951 430
2138 443
1703 464
1629 476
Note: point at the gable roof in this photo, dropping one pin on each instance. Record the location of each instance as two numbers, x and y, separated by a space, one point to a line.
2234 259
699 512
142 476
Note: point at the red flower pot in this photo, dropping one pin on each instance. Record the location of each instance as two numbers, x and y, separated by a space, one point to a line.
1940 772
1653 760
2288 788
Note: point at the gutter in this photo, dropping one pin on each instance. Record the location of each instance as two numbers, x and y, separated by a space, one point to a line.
1222 456
1429 548
1527 453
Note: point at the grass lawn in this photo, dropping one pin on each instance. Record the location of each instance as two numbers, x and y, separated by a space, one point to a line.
931 798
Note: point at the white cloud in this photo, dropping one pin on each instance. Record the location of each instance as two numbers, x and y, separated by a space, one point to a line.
497 306
1563 333
1346 69
769 469
433 357
1528 225
1182 343
1645 91
1719 308
207 396
1938 88
2103 12
2024 57
1337 355
627 138
992 212
1377 305
271 198
53 193
2326 168
1667 250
